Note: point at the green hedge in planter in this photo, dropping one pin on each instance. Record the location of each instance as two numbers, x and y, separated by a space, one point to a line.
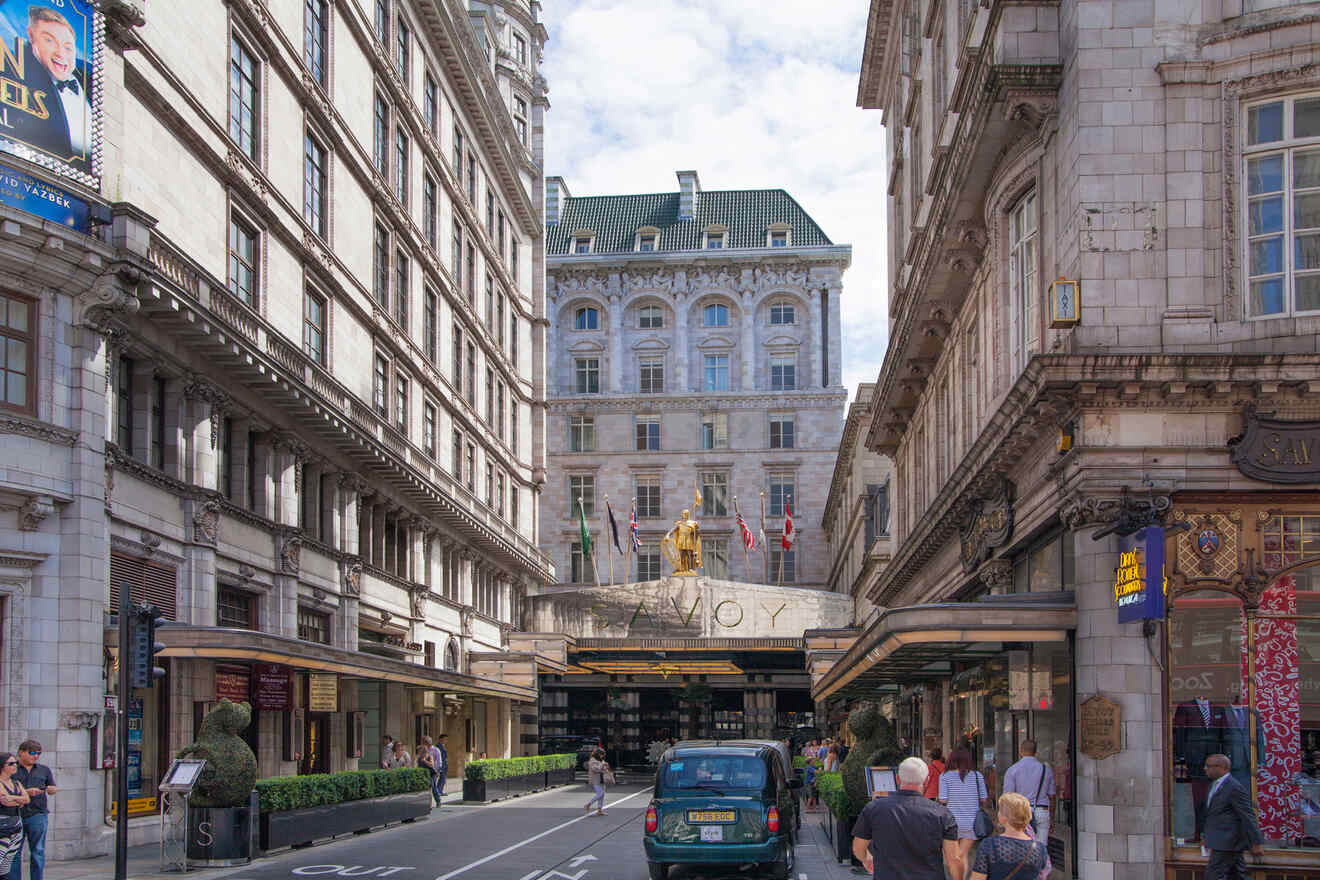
502 768
830 787
280 793
799 762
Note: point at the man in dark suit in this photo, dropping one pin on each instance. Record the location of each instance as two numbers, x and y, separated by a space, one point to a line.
1230 823
52 113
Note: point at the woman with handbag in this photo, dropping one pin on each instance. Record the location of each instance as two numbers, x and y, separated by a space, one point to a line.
12 798
963 791
599 775
1015 854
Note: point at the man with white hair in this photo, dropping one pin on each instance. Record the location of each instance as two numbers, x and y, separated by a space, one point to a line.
904 836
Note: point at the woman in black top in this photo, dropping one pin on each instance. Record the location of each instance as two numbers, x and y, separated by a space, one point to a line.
1015 854
12 798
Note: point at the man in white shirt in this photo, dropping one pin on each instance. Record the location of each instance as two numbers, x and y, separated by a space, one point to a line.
386 752
1034 780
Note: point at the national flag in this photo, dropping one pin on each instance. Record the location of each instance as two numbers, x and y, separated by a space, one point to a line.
582 525
632 530
614 527
787 541
749 540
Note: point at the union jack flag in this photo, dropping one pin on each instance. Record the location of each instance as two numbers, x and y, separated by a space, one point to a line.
632 530
749 540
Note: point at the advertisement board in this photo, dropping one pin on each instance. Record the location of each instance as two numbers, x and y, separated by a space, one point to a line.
1139 581
50 84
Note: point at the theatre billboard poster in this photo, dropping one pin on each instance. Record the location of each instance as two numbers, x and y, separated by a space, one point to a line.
50 78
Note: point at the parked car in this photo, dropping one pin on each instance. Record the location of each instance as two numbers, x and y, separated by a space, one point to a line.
721 804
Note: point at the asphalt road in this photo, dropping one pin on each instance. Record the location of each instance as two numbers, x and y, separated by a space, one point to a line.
544 836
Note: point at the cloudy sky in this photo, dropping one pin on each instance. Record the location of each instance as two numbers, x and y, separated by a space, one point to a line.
751 94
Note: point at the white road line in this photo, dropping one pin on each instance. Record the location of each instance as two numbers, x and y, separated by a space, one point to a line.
531 875
533 839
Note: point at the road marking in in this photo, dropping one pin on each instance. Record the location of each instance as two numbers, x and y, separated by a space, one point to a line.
520 844
535 873
350 870
561 876
580 859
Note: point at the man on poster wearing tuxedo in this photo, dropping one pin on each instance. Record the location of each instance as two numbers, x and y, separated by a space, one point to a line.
56 115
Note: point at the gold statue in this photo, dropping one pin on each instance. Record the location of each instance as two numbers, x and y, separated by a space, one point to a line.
683 545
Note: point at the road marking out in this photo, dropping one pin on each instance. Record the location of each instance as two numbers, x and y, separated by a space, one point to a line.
531 875
561 876
532 839
580 859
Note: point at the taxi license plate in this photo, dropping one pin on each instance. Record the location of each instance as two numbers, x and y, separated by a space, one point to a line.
712 833
697 817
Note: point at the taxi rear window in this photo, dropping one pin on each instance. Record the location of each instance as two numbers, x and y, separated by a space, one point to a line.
714 772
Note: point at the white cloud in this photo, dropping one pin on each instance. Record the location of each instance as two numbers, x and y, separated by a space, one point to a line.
751 95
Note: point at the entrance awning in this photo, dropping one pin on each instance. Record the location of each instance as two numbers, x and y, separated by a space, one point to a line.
902 642
220 643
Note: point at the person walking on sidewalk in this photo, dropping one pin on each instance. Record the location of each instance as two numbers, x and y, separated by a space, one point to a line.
1015 853
932 790
13 797
441 767
386 751
905 836
598 771
963 791
1230 823
39 783
427 757
1033 779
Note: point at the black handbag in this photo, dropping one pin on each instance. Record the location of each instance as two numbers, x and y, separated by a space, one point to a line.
10 824
983 826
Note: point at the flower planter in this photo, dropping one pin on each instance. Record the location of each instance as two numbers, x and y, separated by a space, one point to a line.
296 827
482 790
219 837
559 777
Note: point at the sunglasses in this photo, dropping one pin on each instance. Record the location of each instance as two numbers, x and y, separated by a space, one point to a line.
34 751
11 763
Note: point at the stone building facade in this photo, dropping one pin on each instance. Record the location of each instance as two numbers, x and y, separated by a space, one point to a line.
1104 352
694 345
288 390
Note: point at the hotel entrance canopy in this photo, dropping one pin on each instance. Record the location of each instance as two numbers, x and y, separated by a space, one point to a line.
917 641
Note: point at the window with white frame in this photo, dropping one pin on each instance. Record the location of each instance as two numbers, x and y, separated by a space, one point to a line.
715 493
586 375
520 119
244 89
381 136
651 375
582 486
781 491
579 567
782 431
650 318
716 372
520 49
1022 260
648 433
380 386
581 434
715 430
777 235
1282 180
782 313
648 497
715 558
582 244
244 250
586 318
783 373
714 239
715 315
428 429
648 564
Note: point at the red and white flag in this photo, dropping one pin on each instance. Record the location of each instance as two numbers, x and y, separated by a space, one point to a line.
749 541
787 541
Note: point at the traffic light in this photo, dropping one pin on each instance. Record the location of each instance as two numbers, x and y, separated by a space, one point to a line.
144 671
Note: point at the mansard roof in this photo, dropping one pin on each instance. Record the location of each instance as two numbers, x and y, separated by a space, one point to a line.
746 214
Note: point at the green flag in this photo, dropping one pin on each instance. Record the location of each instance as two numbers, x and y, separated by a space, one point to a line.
586 536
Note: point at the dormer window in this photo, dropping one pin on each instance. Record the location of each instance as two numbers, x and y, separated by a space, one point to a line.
714 241
716 315
586 318
582 244
782 313
777 235
647 240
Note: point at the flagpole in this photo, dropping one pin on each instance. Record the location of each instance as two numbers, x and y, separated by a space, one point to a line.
746 558
765 560
628 544
582 514
605 531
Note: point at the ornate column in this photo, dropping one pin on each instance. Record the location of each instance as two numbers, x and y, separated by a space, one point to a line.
681 376
174 412
997 575
467 576
207 406
615 318
834 343
378 513
747 347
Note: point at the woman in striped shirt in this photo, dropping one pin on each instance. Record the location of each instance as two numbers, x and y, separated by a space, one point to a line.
963 791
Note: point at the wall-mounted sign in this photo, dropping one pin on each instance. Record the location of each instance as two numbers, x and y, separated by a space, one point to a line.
1099 728
21 190
987 524
232 683
1139 582
1065 303
1277 451
881 781
50 75
272 687
322 692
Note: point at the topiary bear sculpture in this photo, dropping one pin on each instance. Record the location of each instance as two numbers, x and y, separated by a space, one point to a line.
876 746
231 768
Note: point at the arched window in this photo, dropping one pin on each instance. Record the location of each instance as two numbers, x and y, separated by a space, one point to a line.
783 313
650 318
717 315
451 656
586 318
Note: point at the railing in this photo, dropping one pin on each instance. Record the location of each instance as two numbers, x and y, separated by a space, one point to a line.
286 355
172 266
234 313
325 386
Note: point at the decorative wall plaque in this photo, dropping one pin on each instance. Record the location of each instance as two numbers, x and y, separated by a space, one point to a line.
1277 451
988 524
1100 728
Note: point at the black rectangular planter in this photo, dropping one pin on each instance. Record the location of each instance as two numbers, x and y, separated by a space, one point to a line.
479 790
294 827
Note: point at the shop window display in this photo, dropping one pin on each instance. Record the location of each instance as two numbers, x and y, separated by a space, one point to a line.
1244 686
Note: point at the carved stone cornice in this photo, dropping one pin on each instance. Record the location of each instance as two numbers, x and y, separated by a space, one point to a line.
33 511
290 549
1123 509
824 399
997 575
111 297
352 576
80 719
12 423
206 522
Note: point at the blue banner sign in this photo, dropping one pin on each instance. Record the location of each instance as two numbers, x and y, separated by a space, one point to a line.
1139 581
21 190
